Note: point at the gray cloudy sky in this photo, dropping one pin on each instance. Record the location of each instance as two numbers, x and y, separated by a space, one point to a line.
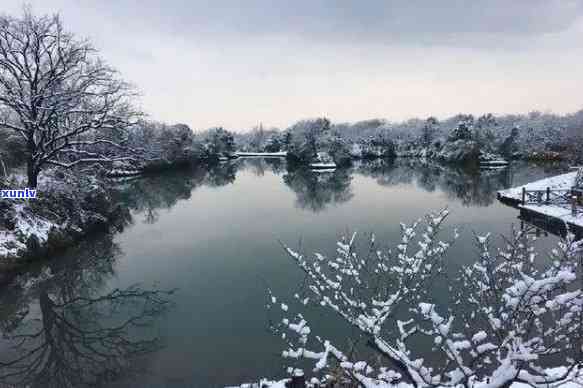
239 62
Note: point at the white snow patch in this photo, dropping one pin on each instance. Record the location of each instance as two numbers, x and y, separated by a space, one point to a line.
281 154
558 182
27 224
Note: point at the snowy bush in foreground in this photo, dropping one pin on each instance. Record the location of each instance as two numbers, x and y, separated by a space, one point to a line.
511 319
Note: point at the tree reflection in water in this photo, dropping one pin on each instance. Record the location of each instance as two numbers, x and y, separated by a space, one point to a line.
472 187
258 166
62 328
317 190
147 195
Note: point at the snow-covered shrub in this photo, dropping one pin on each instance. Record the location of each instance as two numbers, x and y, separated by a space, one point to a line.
379 146
307 138
12 151
160 146
339 151
463 131
428 131
509 146
460 152
484 132
274 143
217 142
69 204
511 317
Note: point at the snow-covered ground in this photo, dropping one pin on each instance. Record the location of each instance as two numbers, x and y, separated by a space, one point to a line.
560 212
27 224
67 205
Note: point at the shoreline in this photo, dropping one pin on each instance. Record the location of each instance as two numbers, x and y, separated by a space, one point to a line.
54 236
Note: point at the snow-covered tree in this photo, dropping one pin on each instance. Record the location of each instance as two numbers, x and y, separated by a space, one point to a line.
484 130
463 131
308 137
57 94
219 141
509 146
511 317
429 130
274 143
158 142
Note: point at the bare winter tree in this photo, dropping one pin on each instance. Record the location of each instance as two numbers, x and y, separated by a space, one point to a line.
58 95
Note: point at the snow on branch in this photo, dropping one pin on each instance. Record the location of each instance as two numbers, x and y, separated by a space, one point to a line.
58 95
513 316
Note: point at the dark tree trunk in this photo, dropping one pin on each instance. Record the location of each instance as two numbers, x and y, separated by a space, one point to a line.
32 169
32 173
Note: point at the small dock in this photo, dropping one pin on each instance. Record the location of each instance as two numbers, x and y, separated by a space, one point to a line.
557 201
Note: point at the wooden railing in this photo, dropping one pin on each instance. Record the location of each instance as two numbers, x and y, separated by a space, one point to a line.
547 197
572 199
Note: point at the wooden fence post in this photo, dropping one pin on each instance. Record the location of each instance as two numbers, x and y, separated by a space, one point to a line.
548 195
524 196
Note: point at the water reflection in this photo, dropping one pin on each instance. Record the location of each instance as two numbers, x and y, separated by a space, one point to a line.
258 166
61 326
471 187
315 190
220 175
148 195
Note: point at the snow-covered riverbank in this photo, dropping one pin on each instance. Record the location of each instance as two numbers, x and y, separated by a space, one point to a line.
67 208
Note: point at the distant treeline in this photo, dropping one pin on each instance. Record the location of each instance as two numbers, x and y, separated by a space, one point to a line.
534 135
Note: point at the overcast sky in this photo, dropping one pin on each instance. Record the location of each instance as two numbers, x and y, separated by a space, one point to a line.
236 63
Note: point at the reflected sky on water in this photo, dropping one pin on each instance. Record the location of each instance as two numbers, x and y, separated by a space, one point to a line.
214 235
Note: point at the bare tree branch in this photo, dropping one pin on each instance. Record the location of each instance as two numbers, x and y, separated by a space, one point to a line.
61 96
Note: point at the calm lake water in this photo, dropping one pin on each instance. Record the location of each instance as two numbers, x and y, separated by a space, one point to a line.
214 238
